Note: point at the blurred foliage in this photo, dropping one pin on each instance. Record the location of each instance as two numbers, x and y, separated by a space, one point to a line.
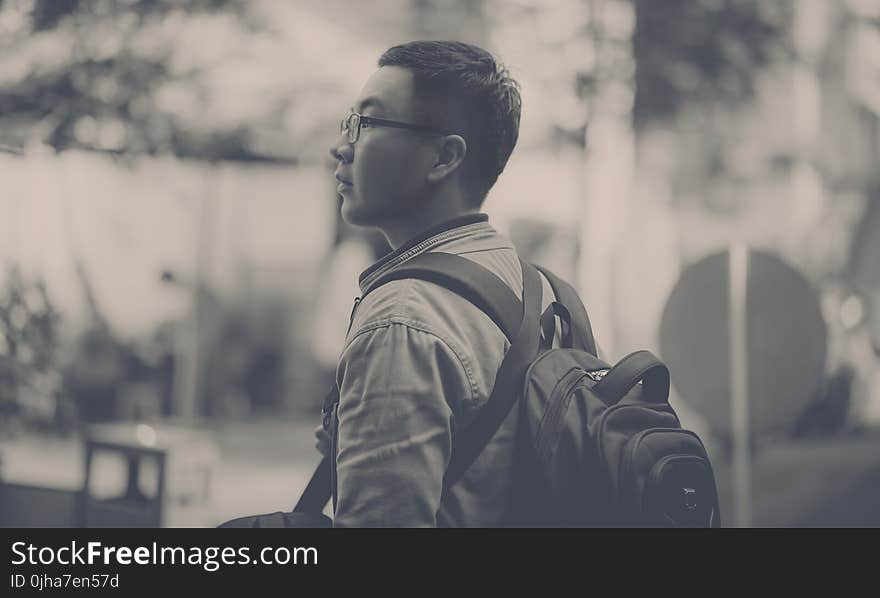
702 68
108 379
702 51
244 351
89 75
30 384
47 14
241 369
865 248
51 385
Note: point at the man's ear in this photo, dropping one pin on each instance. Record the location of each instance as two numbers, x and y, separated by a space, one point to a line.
450 155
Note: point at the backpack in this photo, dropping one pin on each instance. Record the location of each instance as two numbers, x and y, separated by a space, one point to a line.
598 445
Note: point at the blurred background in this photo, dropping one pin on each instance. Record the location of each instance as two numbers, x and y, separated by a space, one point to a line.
705 171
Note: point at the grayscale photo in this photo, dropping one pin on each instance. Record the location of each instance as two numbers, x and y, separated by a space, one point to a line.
438 264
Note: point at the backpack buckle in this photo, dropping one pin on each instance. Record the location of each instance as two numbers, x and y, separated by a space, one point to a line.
690 499
597 375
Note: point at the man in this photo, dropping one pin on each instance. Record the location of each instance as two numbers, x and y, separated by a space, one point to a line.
426 139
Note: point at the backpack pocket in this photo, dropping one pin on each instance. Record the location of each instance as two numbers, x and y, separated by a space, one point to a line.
666 480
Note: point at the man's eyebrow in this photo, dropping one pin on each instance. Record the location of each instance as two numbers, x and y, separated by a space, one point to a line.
370 102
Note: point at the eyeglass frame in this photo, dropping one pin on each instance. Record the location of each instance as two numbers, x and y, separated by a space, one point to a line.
383 122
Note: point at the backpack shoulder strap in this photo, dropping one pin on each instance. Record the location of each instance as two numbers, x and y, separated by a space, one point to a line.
568 296
508 382
467 279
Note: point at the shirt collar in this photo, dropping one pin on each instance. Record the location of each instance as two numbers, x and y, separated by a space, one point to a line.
407 247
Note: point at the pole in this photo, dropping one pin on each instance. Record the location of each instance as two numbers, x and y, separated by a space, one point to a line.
739 384
609 155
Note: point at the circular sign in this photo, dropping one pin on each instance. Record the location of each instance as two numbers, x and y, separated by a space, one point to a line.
785 341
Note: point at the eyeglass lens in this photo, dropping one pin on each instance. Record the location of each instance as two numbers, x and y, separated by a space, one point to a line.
351 126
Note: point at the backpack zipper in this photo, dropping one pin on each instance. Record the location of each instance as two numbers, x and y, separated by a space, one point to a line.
558 405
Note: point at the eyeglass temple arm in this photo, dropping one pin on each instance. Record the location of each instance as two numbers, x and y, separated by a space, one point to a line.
367 120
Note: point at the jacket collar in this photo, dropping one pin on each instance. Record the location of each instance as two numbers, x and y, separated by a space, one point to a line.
418 244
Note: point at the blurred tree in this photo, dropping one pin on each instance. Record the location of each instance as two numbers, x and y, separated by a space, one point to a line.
701 51
462 20
29 382
698 74
106 75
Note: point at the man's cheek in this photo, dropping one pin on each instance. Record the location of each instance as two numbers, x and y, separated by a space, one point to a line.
371 172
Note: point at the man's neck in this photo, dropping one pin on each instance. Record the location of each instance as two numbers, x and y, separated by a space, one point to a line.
401 231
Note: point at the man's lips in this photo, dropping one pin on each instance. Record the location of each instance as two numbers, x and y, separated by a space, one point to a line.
342 180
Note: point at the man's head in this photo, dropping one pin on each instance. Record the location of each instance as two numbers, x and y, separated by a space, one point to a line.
466 110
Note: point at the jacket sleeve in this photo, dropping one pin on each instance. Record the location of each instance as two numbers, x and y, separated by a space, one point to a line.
398 385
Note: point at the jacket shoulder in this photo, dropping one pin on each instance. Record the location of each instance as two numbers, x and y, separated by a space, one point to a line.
418 303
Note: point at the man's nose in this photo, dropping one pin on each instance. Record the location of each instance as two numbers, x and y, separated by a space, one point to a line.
342 150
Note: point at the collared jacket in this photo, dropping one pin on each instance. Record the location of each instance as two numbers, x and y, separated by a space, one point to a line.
418 363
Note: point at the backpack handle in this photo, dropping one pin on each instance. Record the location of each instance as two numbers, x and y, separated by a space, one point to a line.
548 326
639 366
580 321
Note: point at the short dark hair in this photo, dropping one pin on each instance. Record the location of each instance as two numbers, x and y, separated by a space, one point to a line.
479 94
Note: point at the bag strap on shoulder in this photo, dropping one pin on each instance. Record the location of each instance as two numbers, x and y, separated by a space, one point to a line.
465 278
508 380
568 296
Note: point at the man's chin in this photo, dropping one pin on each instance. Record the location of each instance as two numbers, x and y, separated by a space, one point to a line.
359 213
355 214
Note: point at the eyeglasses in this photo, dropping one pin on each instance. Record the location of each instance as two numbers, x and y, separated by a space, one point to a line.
352 124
